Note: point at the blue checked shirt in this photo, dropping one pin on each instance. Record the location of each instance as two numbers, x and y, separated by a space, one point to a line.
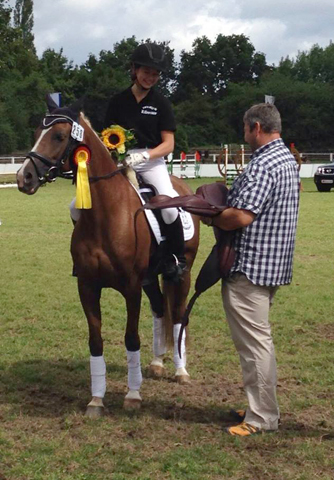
268 187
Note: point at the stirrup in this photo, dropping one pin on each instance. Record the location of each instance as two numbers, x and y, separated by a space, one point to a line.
173 270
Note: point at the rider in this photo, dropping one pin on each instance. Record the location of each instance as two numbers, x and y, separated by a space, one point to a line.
149 114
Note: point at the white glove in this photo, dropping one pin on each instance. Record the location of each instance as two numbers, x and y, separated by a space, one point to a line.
136 158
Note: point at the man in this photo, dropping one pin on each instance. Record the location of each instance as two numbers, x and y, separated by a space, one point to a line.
263 208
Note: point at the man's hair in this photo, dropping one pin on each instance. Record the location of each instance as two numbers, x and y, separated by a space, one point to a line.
267 115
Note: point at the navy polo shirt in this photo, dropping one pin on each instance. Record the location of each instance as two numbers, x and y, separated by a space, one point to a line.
147 118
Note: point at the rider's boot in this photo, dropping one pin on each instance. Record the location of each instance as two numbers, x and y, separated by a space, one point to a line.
176 263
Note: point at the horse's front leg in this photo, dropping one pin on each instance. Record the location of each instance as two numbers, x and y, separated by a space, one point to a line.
132 343
90 299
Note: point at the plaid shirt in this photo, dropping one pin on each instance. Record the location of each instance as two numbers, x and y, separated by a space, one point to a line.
268 187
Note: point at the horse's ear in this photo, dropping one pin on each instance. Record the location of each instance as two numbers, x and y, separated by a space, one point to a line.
51 103
77 106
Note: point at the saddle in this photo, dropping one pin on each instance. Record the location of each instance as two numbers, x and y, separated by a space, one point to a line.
208 201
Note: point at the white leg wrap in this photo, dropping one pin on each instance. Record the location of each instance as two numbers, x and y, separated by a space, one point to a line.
179 362
159 336
134 370
98 376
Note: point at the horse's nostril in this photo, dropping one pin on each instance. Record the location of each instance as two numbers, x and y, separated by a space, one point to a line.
28 178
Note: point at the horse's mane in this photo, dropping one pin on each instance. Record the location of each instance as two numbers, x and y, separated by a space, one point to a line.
86 120
129 171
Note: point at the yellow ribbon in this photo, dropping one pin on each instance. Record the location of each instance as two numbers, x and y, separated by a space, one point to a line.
83 198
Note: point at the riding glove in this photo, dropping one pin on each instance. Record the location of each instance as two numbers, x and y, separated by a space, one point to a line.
136 158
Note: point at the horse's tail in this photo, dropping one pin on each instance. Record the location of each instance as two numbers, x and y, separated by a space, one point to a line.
168 290
172 311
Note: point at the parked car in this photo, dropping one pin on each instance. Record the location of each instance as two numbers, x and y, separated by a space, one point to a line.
324 177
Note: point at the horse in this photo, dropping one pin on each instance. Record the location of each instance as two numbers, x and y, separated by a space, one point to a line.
111 247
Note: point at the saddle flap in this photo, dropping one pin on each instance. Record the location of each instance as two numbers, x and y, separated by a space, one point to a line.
195 204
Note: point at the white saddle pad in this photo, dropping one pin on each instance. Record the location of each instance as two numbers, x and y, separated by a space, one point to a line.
187 221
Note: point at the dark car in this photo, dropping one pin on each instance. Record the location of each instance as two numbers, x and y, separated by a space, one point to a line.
324 177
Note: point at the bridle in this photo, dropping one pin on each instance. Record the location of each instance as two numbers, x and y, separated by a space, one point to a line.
55 169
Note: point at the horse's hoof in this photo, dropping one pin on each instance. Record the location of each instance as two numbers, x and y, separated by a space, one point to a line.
132 404
182 379
156 371
94 412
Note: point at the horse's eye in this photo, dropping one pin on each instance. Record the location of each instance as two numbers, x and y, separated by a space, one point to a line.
59 137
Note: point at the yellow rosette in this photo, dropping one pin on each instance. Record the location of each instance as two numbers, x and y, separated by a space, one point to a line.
83 197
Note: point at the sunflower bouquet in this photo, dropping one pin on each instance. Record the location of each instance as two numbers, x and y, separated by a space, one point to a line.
118 140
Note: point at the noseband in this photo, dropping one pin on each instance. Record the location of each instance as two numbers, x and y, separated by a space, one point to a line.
55 170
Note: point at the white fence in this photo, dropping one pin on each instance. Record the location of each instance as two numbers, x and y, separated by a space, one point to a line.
10 165
190 168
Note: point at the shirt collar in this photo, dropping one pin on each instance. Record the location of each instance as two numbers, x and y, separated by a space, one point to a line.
266 147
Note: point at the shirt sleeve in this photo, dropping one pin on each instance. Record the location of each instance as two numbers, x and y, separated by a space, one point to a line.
166 117
111 116
252 189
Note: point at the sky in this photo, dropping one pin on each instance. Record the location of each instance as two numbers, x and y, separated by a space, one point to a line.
277 29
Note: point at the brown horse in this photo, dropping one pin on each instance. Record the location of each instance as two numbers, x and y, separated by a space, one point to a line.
109 248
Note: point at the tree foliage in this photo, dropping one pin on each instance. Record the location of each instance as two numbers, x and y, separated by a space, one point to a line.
24 21
210 87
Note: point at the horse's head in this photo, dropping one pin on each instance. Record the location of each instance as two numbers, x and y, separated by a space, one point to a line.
55 140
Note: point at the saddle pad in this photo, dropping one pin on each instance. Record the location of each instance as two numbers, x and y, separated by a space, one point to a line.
187 221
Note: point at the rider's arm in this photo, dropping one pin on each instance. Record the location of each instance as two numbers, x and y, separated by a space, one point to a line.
165 147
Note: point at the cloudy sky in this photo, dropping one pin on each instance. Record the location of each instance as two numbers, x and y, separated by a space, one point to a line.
277 29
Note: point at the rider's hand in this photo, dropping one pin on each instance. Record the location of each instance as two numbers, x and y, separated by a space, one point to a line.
134 159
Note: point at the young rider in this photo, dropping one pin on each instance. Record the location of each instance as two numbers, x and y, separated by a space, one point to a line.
149 114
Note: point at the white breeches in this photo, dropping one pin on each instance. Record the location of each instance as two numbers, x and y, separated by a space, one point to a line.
74 212
154 173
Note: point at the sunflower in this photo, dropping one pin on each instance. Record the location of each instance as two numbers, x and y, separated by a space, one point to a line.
114 138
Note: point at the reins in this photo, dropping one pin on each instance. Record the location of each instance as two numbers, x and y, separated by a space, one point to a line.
108 175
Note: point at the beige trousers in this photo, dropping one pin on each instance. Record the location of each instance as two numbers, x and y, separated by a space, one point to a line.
247 311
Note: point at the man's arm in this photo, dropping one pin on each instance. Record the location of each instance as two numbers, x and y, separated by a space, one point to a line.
231 219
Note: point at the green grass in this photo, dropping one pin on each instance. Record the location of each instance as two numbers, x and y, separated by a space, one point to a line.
44 367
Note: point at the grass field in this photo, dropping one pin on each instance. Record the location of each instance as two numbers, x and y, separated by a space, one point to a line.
44 365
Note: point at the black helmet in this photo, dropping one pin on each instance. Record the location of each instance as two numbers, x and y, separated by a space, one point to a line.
150 55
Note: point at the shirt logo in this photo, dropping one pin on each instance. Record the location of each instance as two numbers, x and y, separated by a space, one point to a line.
148 110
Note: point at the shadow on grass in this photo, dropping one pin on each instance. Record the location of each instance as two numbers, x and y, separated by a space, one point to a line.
51 388
61 387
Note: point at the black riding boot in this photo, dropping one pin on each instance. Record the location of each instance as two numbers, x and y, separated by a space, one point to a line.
176 262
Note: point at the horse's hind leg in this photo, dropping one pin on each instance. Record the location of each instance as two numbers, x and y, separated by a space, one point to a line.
178 309
132 342
156 368
90 299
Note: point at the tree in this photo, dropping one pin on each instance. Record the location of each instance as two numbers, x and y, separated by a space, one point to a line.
317 64
209 67
24 21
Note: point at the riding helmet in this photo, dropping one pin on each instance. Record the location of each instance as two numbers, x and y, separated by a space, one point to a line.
150 55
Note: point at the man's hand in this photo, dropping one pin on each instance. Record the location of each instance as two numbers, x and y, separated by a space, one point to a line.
207 221
134 159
